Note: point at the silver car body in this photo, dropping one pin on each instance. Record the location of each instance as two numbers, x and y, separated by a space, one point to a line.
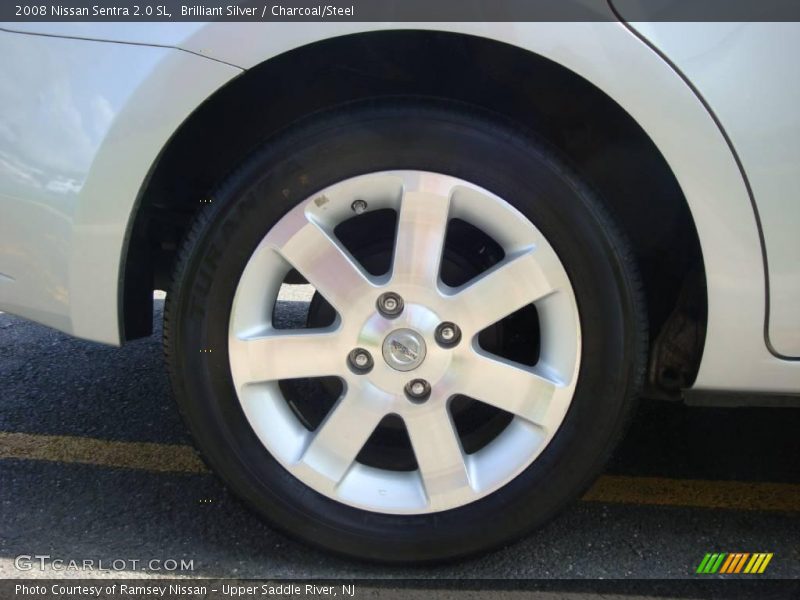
85 110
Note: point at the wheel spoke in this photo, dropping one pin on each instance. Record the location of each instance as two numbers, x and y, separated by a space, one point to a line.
326 265
421 229
287 356
494 295
509 387
342 435
439 455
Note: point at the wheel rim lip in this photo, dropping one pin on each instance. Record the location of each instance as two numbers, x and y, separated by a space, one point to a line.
261 402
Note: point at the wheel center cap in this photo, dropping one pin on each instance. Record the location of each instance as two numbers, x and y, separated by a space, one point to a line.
404 349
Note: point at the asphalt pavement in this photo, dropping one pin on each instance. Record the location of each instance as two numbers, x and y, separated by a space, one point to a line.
94 465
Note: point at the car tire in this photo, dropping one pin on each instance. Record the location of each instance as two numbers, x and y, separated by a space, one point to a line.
525 185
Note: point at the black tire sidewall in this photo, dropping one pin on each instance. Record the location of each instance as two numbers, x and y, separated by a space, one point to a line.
355 141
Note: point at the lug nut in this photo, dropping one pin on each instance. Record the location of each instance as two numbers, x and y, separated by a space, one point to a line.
360 360
359 206
448 334
390 304
418 390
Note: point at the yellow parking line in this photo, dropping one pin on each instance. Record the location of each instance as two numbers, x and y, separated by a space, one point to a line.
612 489
70 449
736 495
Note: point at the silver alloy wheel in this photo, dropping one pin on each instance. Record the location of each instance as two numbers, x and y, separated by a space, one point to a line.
538 397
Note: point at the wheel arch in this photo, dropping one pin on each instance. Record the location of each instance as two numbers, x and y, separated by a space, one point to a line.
589 128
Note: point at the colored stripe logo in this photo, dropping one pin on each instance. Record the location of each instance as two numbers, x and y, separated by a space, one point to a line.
733 563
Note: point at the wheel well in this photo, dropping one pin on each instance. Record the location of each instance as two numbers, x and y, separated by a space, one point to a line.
589 129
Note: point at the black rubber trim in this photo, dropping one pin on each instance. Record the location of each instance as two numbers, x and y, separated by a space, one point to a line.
739 164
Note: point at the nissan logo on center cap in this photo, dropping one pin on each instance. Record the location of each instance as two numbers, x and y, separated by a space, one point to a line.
404 349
